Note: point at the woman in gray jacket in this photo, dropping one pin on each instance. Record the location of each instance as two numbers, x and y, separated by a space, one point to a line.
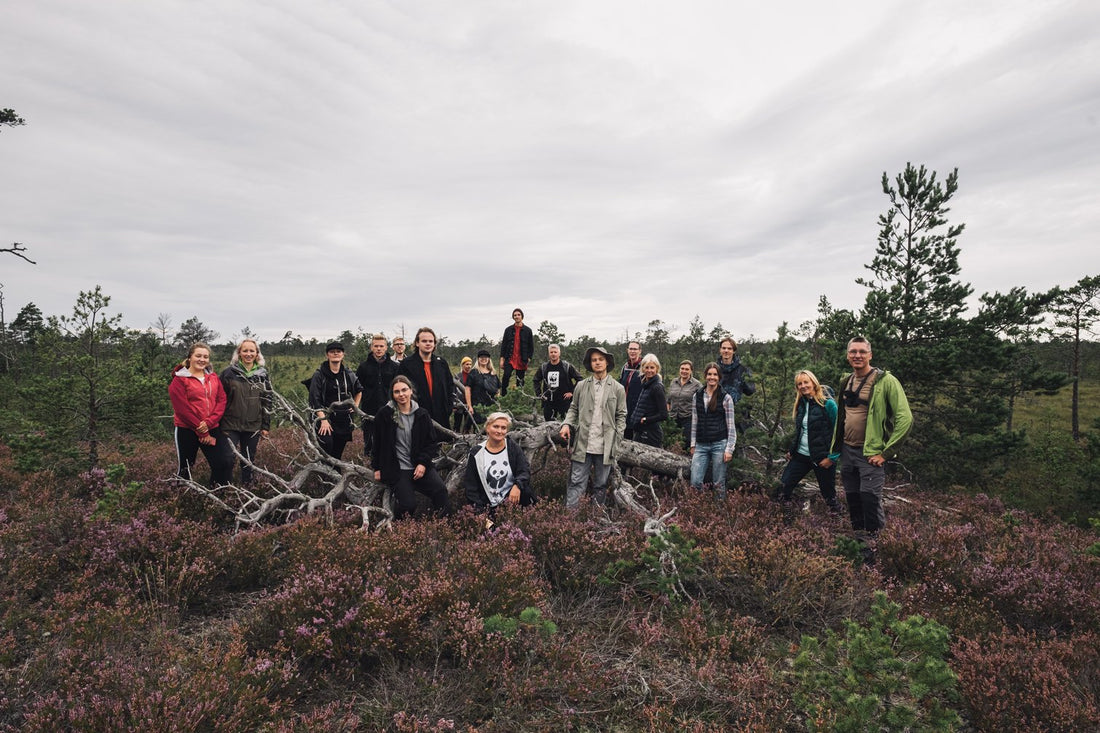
247 415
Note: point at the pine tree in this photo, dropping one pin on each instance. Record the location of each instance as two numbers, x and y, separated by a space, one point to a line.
915 292
1077 310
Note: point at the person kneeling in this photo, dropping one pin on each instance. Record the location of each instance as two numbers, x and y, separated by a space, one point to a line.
497 471
405 444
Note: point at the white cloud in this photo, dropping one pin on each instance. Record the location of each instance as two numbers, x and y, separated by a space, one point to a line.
337 165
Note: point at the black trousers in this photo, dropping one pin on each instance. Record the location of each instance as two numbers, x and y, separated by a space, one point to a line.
796 470
218 456
430 485
520 373
247 442
555 409
334 443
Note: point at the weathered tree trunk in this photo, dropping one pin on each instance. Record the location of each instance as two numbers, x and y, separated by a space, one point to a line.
354 483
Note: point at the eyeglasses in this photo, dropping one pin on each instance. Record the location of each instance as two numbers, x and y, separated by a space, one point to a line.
858 351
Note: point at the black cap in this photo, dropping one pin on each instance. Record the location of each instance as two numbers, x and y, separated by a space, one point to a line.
334 346
484 352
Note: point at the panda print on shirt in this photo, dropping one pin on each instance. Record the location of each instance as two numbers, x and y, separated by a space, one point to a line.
496 474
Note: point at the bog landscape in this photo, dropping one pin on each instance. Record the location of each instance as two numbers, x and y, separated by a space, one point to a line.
130 600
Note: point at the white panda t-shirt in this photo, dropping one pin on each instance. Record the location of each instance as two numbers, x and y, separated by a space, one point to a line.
495 473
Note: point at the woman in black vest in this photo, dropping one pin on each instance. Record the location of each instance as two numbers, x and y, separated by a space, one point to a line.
713 432
814 420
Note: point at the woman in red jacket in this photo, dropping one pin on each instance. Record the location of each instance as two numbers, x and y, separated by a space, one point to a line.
198 402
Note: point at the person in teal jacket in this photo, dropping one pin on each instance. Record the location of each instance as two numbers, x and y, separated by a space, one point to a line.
873 418
811 447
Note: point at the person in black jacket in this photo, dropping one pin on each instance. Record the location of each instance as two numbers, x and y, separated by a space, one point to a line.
247 415
404 446
375 374
431 377
631 379
334 382
651 409
516 349
497 470
555 381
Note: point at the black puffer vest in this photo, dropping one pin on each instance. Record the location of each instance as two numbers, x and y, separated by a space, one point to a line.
710 427
820 431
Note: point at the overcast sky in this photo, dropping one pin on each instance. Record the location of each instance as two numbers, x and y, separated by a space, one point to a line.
320 166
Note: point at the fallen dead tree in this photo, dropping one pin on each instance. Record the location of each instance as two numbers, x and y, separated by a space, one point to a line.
313 481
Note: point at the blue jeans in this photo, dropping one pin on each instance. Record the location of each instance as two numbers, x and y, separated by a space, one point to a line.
709 455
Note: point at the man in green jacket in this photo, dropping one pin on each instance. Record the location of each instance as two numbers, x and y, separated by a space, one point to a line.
872 419
596 420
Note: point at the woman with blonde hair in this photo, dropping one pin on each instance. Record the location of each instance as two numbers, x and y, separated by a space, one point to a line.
651 409
814 416
497 470
247 415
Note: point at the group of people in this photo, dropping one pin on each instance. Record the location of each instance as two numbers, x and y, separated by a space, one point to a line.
211 411
406 395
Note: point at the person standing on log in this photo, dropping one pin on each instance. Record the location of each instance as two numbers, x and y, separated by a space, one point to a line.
516 349
594 428
431 377
334 382
631 379
375 374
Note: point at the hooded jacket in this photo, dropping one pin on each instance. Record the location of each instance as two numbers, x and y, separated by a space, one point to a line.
424 448
196 400
325 387
888 418
247 399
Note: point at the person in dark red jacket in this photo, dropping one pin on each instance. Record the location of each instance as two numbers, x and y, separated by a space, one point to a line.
516 349
198 403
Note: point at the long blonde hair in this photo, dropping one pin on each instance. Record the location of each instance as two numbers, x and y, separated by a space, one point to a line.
819 391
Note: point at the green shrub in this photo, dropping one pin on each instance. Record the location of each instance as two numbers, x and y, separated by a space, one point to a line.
888 675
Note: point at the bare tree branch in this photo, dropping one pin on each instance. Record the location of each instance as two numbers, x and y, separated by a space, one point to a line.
319 483
17 249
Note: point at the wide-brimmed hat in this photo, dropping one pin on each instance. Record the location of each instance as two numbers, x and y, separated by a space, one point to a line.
601 351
